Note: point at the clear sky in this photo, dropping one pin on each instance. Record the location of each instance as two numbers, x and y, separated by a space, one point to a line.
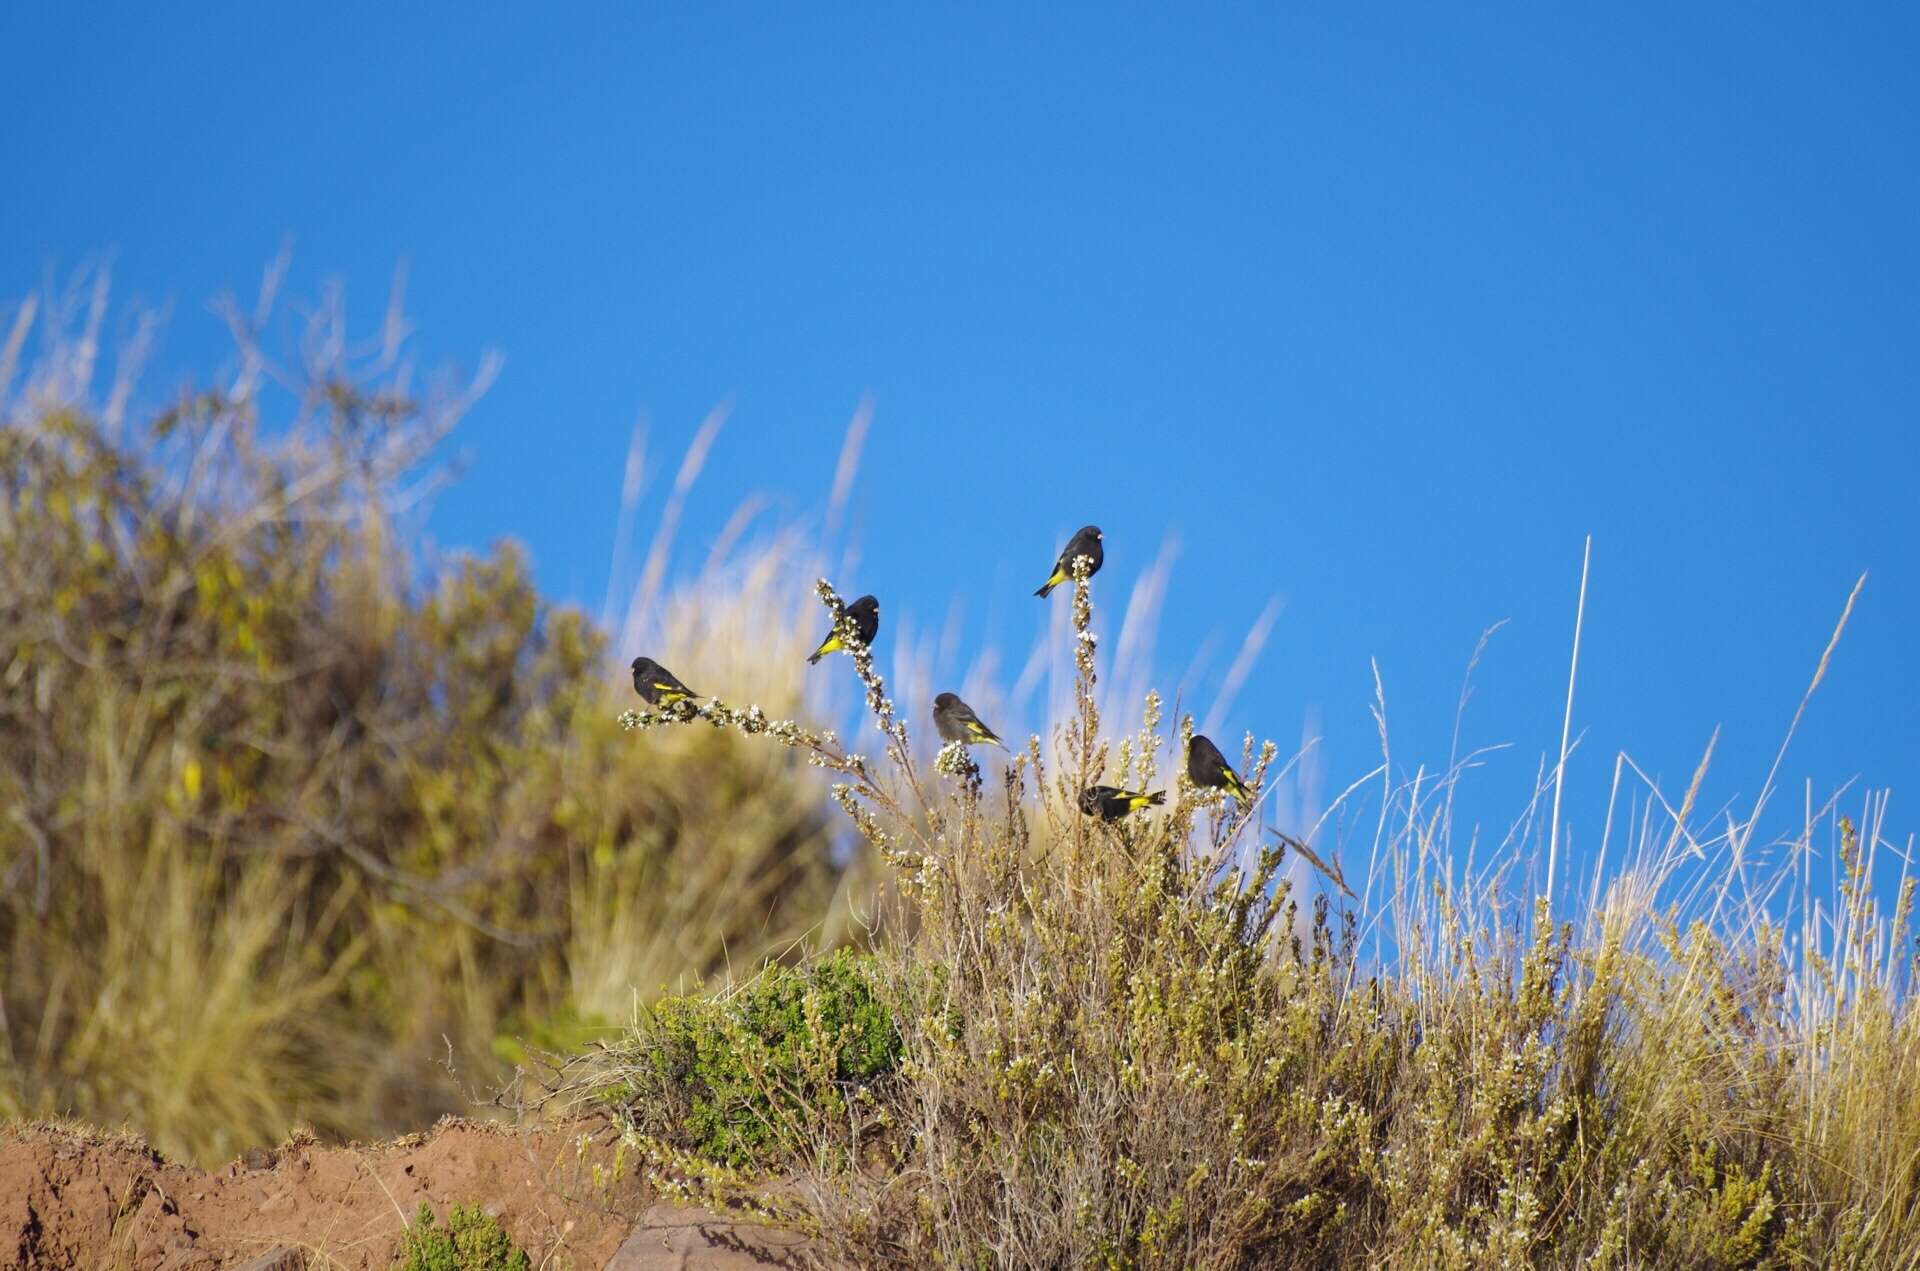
1377 310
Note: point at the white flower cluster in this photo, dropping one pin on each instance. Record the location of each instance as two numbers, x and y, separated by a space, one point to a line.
953 760
1085 642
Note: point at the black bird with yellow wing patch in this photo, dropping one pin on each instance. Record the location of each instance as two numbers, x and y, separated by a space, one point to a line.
1208 767
865 613
657 685
1110 803
957 722
1085 543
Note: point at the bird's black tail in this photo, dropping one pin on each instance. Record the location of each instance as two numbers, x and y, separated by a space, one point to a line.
1157 798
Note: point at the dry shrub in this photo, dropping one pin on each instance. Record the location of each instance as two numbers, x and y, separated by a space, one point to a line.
1131 1045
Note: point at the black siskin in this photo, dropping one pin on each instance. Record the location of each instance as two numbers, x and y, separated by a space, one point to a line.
1110 803
1208 767
658 685
865 613
957 722
1085 543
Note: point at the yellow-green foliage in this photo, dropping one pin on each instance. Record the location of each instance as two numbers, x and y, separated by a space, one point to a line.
750 1076
471 1241
1126 1045
289 818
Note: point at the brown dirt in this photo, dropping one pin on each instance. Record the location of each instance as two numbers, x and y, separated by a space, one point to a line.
84 1201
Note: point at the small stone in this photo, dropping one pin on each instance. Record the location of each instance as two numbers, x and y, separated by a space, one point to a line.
670 1238
280 1259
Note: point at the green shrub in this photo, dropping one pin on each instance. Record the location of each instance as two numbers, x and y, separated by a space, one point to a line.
471 1241
749 1076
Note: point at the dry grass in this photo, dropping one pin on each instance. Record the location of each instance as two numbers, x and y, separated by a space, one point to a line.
293 818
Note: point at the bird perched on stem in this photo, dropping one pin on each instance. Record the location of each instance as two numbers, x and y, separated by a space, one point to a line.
957 722
1085 543
865 613
658 686
1110 803
1208 767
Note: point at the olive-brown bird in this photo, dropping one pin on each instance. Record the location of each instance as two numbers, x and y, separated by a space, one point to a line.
1110 803
657 685
1085 543
865 613
1208 767
957 722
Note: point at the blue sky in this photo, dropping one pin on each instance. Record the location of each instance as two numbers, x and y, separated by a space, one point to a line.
1379 310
